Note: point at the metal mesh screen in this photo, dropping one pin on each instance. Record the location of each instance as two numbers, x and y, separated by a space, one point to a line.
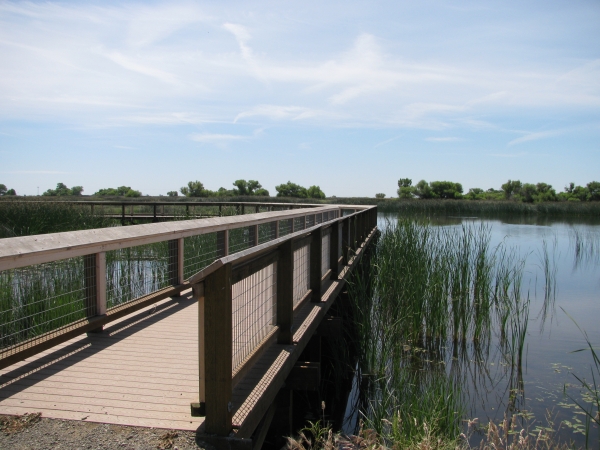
266 232
137 271
199 251
325 250
40 298
298 223
301 273
239 239
318 218
285 227
254 311
310 221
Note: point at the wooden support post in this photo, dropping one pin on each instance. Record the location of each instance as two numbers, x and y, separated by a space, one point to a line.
285 292
316 248
253 235
123 214
175 265
218 351
199 408
222 243
94 267
345 240
276 229
243 209
334 251
257 209
351 236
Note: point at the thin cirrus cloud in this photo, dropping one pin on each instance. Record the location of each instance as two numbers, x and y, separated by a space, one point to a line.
535 136
443 139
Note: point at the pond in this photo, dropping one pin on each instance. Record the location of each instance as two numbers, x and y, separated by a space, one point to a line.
561 279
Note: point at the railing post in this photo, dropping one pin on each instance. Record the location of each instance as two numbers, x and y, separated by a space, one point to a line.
334 250
123 214
94 267
285 292
154 212
218 347
276 229
316 247
346 240
222 243
199 409
253 235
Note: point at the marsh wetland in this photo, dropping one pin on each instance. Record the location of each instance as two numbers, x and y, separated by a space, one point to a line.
467 321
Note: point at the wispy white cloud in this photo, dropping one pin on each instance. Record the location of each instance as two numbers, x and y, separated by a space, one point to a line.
36 172
387 141
216 138
443 139
535 136
509 155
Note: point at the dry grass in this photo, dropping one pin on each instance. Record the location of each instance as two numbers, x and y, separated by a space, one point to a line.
16 424
506 435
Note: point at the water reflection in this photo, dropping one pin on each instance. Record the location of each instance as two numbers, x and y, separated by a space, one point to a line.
525 369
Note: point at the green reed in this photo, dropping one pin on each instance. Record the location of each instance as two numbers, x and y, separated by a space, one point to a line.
424 292
28 218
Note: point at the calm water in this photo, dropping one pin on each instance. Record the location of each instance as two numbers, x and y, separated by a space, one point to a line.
538 390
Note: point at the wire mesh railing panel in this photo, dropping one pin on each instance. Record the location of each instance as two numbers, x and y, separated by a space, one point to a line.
137 271
285 227
254 311
298 223
318 218
325 250
239 239
41 298
200 251
267 232
301 273
310 221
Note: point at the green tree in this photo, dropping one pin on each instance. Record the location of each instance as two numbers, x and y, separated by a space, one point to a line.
446 189
290 189
593 188
121 191
62 190
528 192
315 192
241 187
545 193
3 189
475 194
380 195
405 188
194 189
172 194
423 190
512 188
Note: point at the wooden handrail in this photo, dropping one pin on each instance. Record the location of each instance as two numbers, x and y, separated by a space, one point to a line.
28 250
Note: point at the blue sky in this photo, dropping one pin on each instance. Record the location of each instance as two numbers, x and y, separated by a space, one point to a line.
347 95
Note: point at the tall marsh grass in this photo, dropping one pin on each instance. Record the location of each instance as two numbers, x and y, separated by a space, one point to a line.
426 295
28 218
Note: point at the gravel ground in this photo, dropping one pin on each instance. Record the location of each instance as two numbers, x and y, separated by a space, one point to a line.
37 433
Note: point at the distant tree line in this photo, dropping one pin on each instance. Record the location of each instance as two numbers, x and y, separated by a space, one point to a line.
5 191
513 190
62 190
249 188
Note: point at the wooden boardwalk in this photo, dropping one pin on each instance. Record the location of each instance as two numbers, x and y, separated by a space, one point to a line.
224 351
142 371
